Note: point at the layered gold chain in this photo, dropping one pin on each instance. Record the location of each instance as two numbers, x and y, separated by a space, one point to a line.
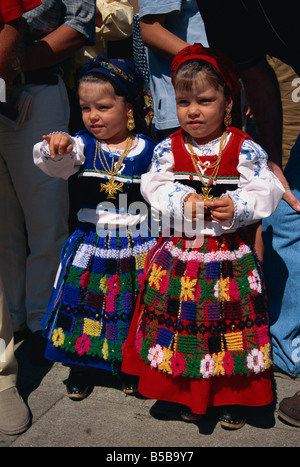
214 166
111 187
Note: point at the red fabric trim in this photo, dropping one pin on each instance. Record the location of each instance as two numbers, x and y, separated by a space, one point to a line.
230 156
13 9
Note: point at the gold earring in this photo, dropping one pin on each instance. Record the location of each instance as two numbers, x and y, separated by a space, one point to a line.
227 118
130 122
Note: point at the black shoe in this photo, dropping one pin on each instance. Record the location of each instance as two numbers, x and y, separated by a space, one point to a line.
188 416
78 383
37 351
129 383
232 417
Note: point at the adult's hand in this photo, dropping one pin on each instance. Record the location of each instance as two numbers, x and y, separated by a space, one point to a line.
288 195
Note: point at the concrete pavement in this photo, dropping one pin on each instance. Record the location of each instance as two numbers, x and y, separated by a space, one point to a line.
110 419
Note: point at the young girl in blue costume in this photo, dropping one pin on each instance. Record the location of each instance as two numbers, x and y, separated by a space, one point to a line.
200 335
102 262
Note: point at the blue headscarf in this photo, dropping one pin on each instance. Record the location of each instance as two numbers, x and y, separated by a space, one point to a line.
122 72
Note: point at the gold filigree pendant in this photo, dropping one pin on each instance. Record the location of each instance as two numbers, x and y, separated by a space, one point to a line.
111 188
205 193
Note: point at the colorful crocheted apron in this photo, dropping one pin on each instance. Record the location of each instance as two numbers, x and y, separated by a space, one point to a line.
94 296
203 310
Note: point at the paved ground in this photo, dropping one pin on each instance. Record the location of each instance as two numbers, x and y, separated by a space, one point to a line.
108 418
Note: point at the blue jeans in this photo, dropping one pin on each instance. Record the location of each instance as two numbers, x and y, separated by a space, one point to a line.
281 237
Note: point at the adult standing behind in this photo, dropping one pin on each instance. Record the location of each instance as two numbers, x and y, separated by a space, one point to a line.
33 208
166 28
272 28
246 31
14 414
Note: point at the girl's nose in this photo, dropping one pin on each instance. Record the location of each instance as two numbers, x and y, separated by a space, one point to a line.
93 115
194 110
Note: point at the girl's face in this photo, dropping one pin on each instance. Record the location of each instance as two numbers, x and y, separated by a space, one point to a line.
104 114
201 110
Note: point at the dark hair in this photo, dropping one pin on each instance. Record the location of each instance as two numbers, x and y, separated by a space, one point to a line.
186 74
137 104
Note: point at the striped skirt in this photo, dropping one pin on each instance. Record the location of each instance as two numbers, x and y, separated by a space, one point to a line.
94 296
203 310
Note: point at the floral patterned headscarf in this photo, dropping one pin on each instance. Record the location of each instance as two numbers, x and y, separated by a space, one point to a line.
125 75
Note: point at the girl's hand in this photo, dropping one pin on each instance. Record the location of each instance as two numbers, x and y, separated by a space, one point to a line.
59 143
191 202
222 209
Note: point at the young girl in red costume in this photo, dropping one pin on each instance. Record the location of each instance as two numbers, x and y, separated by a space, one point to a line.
200 335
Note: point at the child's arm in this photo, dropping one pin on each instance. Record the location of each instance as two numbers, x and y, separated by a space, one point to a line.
159 187
59 143
259 190
59 154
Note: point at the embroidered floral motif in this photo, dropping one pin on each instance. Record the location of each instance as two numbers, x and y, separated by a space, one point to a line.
254 281
156 276
177 364
82 344
84 281
165 365
188 286
255 360
103 285
224 289
113 284
207 366
58 337
155 355
219 364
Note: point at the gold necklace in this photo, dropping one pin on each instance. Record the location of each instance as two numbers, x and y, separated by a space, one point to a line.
214 165
111 187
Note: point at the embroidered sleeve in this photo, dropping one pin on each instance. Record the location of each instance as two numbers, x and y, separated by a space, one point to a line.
259 189
158 185
61 166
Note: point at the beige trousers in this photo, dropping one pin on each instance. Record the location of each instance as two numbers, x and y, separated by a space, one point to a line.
8 362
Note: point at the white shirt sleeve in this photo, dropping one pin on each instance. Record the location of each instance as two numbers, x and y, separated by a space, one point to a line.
259 190
158 185
61 166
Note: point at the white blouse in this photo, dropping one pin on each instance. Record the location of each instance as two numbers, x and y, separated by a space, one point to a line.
257 196
105 217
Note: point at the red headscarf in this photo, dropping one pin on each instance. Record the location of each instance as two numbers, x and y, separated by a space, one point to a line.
221 62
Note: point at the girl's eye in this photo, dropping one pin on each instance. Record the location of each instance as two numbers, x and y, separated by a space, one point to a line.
182 102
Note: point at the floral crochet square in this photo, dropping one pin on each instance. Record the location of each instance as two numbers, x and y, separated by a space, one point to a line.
232 310
214 344
226 269
94 300
213 270
164 337
173 307
234 341
188 311
71 295
180 268
213 311
187 344
99 265
125 265
64 322
91 327
83 256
